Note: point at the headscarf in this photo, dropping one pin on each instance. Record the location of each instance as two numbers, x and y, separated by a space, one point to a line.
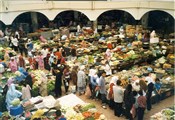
114 79
10 81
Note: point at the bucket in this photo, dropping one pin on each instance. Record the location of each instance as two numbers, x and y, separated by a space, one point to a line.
16 110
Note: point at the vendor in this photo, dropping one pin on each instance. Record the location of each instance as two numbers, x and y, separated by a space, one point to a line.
59 115
12 93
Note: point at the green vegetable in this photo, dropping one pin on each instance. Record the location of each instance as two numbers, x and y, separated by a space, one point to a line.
15 102
87 107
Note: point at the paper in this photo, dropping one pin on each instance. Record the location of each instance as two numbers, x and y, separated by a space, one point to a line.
70 100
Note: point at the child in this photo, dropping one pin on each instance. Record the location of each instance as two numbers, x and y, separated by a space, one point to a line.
59 115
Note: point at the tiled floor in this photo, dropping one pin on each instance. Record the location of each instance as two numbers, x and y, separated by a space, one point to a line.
110 114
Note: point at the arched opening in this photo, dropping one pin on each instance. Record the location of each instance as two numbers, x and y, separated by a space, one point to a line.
160 21
116 17
2 26
71 18
30 21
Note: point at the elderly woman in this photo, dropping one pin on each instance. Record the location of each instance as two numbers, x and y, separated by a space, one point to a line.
81 81
12 93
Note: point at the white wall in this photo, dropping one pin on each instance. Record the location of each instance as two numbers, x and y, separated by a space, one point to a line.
10 9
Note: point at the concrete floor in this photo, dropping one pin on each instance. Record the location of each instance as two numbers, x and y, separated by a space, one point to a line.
110 114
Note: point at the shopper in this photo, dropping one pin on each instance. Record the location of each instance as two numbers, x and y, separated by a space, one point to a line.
110 91
66 78
141 105
46 62
93 84
21 61
81 81
40 60
102 87
13 65
58 82
128 101
118 98
150 83
73 75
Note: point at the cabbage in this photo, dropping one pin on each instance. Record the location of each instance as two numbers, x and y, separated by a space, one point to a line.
15 102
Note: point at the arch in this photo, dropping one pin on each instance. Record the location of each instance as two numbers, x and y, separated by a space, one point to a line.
2 25
117 15
145 11
28 12
160 20
30 21
65 16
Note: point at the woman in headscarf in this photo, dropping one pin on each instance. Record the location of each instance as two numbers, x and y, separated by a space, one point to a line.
12 93
128 101
81 82
110 92
13 65
150 83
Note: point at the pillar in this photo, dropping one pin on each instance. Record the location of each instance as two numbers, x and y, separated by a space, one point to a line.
76 17
95 25
34 20
144 20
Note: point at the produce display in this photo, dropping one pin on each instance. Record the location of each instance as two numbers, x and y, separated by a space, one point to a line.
165 114
83 112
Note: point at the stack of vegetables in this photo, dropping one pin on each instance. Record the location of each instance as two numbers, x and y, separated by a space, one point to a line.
165 114
39 78
83 112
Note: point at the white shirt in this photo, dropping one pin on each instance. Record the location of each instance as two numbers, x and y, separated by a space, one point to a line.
118 94
15 42
44 52
108 70
1 68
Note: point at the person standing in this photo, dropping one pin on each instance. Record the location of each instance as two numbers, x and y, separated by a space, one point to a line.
15 43
128 101
141 105
58 83
81 81
102 87
40 60
66 78
21 61
46 62
150 83
13 65
110 94
73 75
118 98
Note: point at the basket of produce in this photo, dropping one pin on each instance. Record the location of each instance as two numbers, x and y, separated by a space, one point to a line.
168 114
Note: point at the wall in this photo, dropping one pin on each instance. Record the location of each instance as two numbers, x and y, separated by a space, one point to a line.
92 9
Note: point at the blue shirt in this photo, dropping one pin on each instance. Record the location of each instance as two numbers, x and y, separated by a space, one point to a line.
157 86
102 85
